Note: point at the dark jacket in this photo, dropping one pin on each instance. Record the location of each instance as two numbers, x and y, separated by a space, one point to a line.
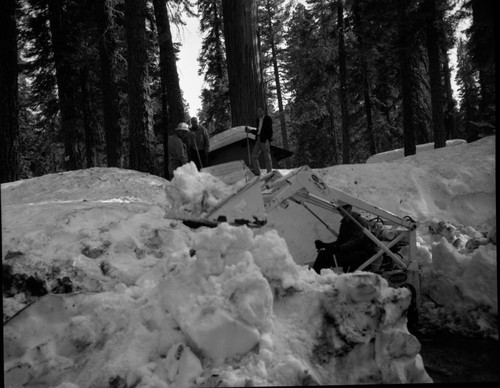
199 139
351 238
177 153
266 132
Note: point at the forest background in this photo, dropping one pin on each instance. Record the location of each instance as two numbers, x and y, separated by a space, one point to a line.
95 82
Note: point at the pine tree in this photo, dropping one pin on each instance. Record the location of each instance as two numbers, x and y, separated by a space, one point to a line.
432 27
358 25
343 85
216 107
172 103
482 48
273 15
110 98
308 64
469 92
374 79
9 103
140 113
245 84
40 147
63 38
405 45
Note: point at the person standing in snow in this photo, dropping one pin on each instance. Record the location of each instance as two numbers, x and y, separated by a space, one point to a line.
263 137
199 144
352 247
177 150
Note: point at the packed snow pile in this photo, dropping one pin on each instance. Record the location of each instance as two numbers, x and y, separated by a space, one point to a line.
127 295
219 306
454 184
452 193
392 155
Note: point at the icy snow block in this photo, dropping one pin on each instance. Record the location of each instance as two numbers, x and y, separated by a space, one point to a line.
360 286
219 335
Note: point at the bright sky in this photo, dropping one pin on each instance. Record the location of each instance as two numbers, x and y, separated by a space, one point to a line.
187 66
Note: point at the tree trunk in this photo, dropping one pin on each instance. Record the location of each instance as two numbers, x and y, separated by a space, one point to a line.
366 85
9 102
343 85
245 83
435 74
67 84
140 112
405 46
110 98
284 133
88 125
333 132
172 106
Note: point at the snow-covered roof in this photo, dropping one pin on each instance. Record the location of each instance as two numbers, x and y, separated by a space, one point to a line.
228 137
238 135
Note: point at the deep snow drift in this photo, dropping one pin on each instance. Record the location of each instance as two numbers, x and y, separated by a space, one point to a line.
163 305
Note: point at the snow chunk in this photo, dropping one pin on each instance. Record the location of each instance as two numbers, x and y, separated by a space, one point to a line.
194 192
219 335
446 260
219 297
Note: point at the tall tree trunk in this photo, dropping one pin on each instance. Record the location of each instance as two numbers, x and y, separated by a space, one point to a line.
343 85
405 47
435 74
110 98
9 102
172 106
88 125
366 85
67 84
333 131
284 133
245 83
140 121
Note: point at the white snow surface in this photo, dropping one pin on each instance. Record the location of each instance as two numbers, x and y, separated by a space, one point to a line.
399 153
161 305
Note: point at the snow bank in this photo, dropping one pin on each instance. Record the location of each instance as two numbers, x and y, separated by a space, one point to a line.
160 305
389 156
455 184
152 303
452 193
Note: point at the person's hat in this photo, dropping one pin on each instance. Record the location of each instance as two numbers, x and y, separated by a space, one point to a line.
182 127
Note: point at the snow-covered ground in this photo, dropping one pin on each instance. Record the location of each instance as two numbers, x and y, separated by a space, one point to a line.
392 155
154 303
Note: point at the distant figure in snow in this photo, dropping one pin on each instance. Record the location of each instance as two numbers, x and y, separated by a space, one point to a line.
263 137
352 247
199 144
177 150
